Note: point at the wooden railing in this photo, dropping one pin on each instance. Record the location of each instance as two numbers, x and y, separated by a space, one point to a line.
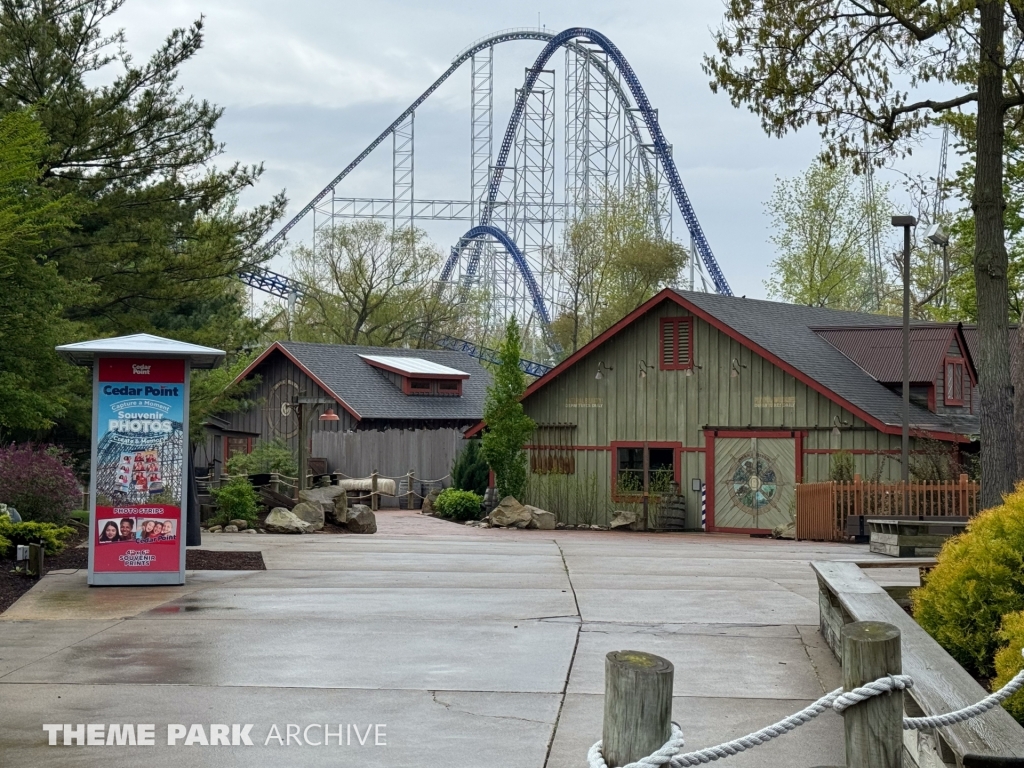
822 509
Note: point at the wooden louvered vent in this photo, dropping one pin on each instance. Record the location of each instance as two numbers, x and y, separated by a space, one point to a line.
676 343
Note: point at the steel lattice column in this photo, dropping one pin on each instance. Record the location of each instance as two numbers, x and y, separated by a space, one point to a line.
534 193
403 167
481 133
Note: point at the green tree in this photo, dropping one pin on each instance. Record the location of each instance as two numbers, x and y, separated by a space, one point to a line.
880 72
35 386
822 225
508 426
611 261
159 235
374 286
470 471
214 392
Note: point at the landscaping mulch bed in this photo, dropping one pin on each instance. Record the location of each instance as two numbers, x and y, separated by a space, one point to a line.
14 585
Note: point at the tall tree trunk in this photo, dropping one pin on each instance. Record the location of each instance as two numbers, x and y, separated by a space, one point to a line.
1017 377
998 458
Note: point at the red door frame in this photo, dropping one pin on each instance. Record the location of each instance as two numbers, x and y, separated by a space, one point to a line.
709 467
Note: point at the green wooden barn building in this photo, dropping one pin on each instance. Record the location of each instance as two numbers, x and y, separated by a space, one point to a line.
738 400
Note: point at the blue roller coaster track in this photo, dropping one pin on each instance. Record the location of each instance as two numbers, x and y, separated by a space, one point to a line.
654 128
279 285
284 287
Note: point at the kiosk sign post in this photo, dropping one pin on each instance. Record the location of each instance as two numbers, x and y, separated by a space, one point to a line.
140 456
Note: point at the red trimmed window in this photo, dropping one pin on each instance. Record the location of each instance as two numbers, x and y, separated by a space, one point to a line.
954 388
629 469
676 343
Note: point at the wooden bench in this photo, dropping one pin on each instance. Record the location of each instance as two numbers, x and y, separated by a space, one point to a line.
858 530
911 538
845 595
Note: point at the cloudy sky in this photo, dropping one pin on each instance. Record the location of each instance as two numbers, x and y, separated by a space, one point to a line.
308 84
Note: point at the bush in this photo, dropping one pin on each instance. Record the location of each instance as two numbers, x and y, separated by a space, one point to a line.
840 467
470 472
978 580
1009 662
266 456
237 500
458 505
54 537
37 481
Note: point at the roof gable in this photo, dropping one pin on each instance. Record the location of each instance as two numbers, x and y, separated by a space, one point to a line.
783 334
879 350
364 390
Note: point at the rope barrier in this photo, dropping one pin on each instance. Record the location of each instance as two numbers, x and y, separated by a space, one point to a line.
837 700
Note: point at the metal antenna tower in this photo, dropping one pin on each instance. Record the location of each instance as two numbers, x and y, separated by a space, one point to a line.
403 167
937 212
874 240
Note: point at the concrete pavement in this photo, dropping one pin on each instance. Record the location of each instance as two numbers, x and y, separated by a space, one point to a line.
471 647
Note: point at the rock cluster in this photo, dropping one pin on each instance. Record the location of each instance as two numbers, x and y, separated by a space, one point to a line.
511 514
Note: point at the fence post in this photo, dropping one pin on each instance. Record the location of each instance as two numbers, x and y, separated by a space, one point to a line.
409 498
637 705
874 728
373 490
964 508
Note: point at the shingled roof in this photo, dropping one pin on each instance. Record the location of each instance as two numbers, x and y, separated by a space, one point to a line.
788 332
368 392
785 334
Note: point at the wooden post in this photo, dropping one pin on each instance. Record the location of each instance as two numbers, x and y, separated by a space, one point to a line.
964 508
35 560
409 495
874 728
373 490
303 450
637 705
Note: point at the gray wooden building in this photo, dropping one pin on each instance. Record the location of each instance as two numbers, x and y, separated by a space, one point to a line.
742 397
398 409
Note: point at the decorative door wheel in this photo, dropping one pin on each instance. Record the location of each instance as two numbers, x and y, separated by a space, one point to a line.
754 484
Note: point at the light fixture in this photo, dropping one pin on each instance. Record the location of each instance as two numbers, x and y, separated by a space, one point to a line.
736 365
689 371
644 367
836 424
937 235
329 415
601 366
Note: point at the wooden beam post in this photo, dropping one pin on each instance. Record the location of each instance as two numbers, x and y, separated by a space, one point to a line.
874 728
373 490
637 705
409 494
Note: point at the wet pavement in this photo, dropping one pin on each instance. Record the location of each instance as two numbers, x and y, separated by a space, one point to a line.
466 647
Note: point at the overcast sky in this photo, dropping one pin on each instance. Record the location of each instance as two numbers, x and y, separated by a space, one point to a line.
308 84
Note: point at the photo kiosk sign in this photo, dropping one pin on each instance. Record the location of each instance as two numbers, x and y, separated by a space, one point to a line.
140 456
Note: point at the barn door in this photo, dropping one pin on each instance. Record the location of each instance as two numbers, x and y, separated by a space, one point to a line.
754 482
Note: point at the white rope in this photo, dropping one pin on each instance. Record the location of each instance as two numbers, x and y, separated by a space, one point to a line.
983 706
837 700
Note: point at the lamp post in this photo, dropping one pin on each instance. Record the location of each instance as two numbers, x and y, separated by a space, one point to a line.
908 223
938 236
644 367
299 405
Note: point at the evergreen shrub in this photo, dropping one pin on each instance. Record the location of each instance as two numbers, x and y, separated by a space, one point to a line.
458 505
978 580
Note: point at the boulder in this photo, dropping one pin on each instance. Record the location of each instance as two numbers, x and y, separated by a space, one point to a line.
230 529
239 524
310 512
509 514
216 528
10 513
280 520
326 496
428 501
337 513
540 519
625 518
249 530
361 519
785 531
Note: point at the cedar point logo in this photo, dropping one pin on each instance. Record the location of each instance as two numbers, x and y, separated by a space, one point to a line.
140 370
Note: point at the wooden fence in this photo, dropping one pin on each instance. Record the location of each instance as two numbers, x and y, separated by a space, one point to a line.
822 509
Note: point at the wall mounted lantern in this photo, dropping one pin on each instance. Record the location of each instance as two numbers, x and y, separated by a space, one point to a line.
602 367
